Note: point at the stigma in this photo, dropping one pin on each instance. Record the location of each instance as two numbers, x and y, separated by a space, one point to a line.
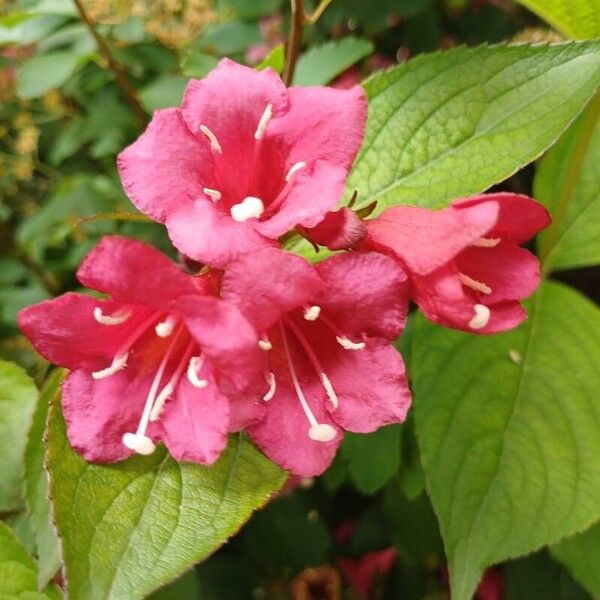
250 207
481 318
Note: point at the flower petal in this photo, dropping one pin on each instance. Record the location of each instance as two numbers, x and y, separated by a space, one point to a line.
133 272
166 166
339 229
426 239
366 292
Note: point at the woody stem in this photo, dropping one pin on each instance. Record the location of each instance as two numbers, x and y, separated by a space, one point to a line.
294 40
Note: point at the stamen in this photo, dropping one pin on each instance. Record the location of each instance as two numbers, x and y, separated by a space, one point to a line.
165 328
348 344
311 313
119 362
316 363
250 207
478 286
481 318
319 432
194 367
215 195
214 142
272 387
265 344
262 124
293 169
486 242
116 318
141 444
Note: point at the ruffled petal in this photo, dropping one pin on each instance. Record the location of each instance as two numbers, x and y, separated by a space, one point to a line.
268 283
426 239
520 217
339 229
366 292
205 233
135 273
166 166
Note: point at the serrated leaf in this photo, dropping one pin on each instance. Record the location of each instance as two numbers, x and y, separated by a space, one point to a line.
36 485
453 123
142 522
567 181
18 578
18 396
374 458
580 554
577 19
322 63
509 429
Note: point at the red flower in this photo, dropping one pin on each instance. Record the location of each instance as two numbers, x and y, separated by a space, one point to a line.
362 573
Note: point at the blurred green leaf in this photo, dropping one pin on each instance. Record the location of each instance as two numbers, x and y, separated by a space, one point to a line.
453 123
580 554
198 64
577 19
250 9
24 29
567 182
164 92
275 59
18 395
510 467
321 64
187 587
146 520
225 39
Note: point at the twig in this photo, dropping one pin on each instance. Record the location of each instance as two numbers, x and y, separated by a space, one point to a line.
122 81
294 40
316 15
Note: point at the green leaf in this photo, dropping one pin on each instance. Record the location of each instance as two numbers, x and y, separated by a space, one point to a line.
567 181
18 396
453 123
163 92
275 59
581 555
320 64
509 429
577 19
226 39
36 485
373 459
42 73
142 522
18 580
198 64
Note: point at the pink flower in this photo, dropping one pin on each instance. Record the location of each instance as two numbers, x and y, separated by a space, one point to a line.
144 362
243 160
363 573
466 268
324 350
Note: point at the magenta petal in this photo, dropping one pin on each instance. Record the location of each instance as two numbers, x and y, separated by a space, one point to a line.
426 239
268 283
366 292
195 423
520 217
339 229
165 166
133 272
204 233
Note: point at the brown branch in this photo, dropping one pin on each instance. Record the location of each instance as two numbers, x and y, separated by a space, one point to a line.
294 41
315 16
128 90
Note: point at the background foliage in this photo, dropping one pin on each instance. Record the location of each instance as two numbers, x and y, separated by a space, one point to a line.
498 463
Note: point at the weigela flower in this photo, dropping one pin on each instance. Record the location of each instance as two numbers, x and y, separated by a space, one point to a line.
324 351
144 363
466 268
365 572
243 160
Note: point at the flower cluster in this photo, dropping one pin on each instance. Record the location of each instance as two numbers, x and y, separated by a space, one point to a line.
259 339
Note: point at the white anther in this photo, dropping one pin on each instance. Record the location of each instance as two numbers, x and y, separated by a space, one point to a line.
311 313
192 372
262 124
249 208
215 195
515 356
265 344
347 344
478 286
481 318
272 387
141 444
329 390
118 363
214 142
321 432
486 242
159 403
115 319
165 328
293 169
